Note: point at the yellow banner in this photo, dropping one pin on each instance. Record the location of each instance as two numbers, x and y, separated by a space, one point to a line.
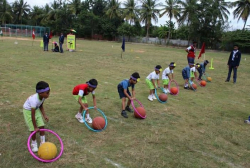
71 39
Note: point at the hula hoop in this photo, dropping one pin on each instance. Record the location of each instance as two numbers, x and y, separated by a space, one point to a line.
176 84
132 103
204 77
36 157
158 97
94 130
192 85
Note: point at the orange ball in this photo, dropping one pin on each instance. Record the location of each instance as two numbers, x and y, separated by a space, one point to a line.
98 123
194 86
209 79
203 83
141 111
163 97
174 90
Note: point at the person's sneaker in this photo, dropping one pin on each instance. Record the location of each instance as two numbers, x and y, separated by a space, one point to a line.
167 91
150 98
89 120
247 121
124 114
186 87
129 109
164 90
226 80
34 147
153 96
79 118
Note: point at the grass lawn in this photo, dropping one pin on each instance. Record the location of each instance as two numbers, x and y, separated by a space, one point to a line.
194 129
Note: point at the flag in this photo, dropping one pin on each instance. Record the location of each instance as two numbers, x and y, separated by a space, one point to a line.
33 34
1 33
123 44
202 50
50 35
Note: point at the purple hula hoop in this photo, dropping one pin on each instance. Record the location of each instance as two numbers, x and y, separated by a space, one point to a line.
132 103
176 84
42 160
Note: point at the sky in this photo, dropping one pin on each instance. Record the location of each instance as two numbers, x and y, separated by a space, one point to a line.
234 24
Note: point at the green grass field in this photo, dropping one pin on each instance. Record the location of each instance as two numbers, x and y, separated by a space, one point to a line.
194 129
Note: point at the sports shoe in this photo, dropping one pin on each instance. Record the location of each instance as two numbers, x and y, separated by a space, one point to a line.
186 88
124 114
247 121
153 96
89 120
129 109
79 118
34 147
226 80
164 90
150 98
167 91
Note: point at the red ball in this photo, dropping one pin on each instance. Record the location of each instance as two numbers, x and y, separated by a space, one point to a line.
194 86
163 97
203 83
174 90
141 111
98 123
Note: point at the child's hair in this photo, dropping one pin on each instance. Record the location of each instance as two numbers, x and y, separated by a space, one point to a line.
42 87
206 62
135 75
172 64
92 83
158 67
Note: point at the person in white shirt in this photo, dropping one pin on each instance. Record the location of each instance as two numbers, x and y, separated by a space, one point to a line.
166 76
151 81
32 109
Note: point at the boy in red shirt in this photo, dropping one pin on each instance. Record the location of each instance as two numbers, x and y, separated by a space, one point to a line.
80 92
191 52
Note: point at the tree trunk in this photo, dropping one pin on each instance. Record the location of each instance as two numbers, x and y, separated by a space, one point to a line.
244 25
169 31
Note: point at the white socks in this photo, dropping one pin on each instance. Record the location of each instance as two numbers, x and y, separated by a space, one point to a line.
42 138
186 84
87 115
34 142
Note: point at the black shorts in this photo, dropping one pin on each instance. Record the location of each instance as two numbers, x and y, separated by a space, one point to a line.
121 92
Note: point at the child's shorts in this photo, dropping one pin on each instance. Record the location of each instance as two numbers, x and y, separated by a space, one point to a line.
28 119
184 75
150 84
121 92
165 81
84 99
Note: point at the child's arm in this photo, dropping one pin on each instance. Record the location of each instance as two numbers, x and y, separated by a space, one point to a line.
33 112
44 115
153 81
158 83
127 95
133 93
195 74
169 77
94 100
172 76
80 102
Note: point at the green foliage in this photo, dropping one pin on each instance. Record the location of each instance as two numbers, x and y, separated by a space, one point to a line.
126 30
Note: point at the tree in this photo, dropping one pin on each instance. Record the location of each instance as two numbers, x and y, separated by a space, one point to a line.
5 12
242 10
221 12
21 9
149 12
75 7
130 11
188 10
172 10
126 30
113 9
36 15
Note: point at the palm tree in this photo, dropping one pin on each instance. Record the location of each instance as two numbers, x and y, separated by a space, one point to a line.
172 10
187 11
113 9
242 10
149 12
221 9
21 9
75 7
130 11
36 15
5 12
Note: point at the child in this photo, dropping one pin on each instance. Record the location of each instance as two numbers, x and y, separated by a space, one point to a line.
56 49
150 80
80 92
123 90
188 74
202 69
32 109
166 76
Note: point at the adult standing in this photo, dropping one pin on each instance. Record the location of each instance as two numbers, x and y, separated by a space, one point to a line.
61 41
45 41
191 52
233 63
